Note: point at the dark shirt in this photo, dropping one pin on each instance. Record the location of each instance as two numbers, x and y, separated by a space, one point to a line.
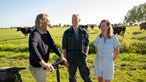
71 44
39 47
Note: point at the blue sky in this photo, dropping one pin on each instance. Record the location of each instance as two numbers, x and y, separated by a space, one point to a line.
23 12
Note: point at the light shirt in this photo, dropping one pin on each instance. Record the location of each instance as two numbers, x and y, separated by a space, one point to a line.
106 48
104 64
42 32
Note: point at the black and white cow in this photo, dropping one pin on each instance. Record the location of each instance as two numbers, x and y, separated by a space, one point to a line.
120 30
84 26
25 31
143 26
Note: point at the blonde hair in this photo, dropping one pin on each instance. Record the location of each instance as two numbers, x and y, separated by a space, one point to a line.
110 30
41 18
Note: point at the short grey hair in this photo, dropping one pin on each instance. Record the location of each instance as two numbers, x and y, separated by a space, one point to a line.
77 15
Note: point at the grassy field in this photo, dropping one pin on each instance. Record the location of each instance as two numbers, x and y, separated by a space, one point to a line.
129 67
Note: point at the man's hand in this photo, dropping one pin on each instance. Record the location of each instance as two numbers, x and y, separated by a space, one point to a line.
47 66
65 61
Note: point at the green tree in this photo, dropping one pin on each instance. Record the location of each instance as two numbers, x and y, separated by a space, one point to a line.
136 15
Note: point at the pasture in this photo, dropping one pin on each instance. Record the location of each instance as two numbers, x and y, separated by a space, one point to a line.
129 67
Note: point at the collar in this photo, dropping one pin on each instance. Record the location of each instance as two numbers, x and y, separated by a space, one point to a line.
40 31
79 29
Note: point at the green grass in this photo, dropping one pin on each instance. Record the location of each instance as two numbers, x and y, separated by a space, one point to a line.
133 42
129 67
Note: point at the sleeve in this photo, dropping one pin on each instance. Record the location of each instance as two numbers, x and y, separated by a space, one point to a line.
96 42
64 41
54 47
87 42
116 42
33 42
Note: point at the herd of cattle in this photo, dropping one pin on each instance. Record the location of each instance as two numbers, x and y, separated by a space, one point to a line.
120 30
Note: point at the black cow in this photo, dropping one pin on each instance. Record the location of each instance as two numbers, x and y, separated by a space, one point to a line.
84 26
25 31
143 26
120 30
92 26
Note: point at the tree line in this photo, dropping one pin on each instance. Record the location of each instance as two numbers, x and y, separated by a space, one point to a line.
136 15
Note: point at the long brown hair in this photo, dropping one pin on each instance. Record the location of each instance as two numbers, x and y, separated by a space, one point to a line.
110 30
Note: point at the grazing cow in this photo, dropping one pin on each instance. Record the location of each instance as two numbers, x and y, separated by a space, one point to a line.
120 30
92 26
143 26
25 31
84 26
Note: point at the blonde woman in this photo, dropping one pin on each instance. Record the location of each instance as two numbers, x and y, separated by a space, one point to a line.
107 50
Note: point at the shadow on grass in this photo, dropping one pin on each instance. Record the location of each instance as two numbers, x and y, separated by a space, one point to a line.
12 39
135 33
141 38
93 33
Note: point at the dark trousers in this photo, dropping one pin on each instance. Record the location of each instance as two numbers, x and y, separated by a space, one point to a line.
81 63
